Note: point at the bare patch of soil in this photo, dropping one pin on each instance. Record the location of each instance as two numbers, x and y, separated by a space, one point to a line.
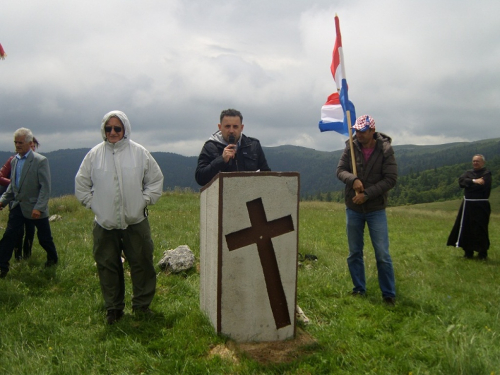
268 352
225 353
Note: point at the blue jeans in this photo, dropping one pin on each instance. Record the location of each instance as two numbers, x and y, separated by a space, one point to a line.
377 226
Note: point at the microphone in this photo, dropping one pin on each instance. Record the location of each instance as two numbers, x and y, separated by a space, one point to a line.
232 141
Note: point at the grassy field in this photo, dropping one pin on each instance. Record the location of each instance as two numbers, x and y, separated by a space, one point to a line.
446 320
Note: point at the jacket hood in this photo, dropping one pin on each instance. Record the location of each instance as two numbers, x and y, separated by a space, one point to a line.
383 137
385 141
217 137
123 118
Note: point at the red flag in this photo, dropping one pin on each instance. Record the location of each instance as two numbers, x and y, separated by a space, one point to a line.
3 55
337 67
334 111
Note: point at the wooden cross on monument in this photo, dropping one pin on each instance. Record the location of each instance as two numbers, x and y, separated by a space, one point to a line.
261 233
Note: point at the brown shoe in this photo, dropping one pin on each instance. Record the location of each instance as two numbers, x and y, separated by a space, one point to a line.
143 311
357 293
390 301
112 316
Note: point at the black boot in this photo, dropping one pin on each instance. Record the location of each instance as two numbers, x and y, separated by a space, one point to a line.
483 255
112 316
468 254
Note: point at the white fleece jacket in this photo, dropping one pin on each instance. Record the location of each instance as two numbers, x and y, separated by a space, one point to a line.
117 181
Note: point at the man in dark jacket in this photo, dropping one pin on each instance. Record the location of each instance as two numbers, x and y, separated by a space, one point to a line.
366 200
470 231
229 150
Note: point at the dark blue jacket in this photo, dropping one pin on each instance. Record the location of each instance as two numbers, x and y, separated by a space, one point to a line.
249 157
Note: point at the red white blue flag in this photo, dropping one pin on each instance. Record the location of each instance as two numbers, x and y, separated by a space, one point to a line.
333 112
3 55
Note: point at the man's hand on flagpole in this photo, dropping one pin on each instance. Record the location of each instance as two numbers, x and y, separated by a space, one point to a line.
358 187
359 198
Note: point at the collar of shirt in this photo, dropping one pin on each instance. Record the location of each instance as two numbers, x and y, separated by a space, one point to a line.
20 165
23 157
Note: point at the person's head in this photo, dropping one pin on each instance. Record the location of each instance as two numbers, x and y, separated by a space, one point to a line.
478 161
231 123
231 113
365 128
34 144
23 138
114 129
115 126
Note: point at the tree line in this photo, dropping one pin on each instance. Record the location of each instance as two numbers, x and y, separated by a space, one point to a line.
432 185
420 169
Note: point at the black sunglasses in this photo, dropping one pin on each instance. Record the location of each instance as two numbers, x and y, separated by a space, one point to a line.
109 128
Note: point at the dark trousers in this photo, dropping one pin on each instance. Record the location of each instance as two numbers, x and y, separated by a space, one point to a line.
23 250
15 226
137 245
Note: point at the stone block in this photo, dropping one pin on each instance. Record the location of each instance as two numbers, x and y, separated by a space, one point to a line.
248 254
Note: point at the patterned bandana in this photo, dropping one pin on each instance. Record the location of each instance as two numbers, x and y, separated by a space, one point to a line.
363 123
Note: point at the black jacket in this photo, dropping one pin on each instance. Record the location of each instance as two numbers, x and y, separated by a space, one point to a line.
249 157
472 190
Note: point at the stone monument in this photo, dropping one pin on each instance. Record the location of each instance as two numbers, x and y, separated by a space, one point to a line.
248 254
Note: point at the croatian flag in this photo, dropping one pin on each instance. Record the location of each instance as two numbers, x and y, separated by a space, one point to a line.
2 53
332 115
333 112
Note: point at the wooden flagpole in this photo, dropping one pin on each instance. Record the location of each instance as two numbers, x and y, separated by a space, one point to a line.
338 43
351 144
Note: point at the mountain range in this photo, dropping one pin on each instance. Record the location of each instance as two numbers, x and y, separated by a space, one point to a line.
317 168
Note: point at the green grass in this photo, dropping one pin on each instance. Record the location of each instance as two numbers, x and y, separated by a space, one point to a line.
446 320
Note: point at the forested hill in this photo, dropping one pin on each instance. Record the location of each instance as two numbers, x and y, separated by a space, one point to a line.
431 185
420 158
442 165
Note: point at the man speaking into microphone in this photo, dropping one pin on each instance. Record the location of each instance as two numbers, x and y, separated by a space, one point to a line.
229 150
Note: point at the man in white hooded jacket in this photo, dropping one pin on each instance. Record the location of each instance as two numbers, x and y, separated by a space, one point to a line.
118 179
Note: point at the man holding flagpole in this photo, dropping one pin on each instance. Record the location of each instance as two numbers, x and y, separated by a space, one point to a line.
368 179
366 200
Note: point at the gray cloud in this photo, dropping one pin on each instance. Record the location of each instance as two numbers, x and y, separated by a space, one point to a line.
426 71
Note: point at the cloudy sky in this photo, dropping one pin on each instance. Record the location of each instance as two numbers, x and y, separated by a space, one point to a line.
427 70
